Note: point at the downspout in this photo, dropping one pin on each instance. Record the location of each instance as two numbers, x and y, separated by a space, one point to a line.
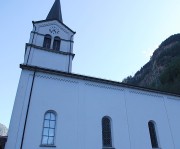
27 111
70 53
31 43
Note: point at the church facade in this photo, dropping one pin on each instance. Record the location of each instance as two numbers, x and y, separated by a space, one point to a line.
55 108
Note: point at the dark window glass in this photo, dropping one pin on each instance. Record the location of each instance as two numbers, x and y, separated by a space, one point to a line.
106 132
49 128
47 41
153 136
56 43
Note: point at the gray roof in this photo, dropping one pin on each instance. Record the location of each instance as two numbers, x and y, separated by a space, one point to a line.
55 12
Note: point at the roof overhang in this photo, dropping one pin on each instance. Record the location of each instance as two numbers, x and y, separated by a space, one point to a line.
99 80
41 21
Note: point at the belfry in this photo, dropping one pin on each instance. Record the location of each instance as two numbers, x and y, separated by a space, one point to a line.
51 43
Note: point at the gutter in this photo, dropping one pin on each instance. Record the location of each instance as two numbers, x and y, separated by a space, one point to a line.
70 52
27 111
89 78
31 42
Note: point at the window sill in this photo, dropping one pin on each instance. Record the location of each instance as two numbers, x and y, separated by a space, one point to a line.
108 148
43 145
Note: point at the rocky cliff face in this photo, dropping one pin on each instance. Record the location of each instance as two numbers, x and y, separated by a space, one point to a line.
162 72
3 130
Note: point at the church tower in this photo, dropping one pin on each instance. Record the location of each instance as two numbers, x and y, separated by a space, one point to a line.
50 48
51 42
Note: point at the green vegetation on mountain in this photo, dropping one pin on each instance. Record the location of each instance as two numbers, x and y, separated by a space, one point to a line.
162 72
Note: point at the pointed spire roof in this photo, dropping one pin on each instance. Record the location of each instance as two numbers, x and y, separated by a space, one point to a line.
55 12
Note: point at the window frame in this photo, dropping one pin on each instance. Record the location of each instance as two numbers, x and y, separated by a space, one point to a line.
47 37
56 40
153 134
110 145
44 127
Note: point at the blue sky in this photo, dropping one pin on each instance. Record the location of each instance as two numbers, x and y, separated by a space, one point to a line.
114 38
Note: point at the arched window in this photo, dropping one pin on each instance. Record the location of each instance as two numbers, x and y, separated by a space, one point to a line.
153 135
106 132
56 43
47 41
48 134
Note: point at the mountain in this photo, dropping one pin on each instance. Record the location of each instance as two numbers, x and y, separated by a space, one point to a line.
3 130
162 72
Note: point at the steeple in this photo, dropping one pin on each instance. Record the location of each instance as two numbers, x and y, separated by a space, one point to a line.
51 43
55 12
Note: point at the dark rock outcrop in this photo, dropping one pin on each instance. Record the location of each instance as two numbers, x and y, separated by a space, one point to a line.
162 72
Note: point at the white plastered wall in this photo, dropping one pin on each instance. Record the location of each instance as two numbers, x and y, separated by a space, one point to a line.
80 107
19 111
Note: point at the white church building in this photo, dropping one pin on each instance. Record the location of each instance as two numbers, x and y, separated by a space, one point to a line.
55 108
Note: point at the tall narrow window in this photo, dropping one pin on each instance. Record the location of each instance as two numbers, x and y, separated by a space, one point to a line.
47 41
153 135
106 132
56 43
48 134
